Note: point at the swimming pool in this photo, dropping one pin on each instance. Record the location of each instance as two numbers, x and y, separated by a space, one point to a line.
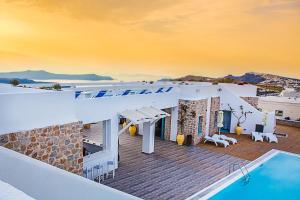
274 176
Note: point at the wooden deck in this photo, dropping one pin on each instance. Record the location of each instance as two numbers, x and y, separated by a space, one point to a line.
250 150
172 172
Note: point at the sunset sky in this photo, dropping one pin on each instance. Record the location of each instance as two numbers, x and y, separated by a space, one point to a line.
151 38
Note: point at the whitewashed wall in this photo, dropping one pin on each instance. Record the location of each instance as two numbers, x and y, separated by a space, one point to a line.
246 90
26 111
291 110
198 91
42 181
256 117
98 109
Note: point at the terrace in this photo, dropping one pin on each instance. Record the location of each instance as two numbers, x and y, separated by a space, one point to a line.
177 172
171 172
249 150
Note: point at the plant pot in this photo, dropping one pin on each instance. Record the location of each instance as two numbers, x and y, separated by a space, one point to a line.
180 139
238 130
87 126
132 130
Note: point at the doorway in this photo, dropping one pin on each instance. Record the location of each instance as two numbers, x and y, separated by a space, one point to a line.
160 128
226 121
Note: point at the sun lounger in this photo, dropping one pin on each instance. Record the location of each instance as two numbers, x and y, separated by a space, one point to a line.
215 140
257 137
270 137
228 139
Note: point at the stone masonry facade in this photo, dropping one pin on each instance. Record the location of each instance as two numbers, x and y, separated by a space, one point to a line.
194 110
253 101
168 124
59 145
214 109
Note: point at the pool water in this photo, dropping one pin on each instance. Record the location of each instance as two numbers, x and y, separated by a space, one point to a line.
277 178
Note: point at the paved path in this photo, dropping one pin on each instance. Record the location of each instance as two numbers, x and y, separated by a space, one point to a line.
172 172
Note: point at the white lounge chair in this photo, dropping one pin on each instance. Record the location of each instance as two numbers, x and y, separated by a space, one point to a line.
257 137
229 139
270 137
215 140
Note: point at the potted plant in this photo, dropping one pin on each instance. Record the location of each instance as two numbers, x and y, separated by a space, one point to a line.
241 118
181 120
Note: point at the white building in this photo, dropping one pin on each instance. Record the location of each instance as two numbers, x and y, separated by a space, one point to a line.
284 107
47 125
290 92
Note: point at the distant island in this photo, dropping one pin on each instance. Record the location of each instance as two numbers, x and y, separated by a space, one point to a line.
20 80
29 76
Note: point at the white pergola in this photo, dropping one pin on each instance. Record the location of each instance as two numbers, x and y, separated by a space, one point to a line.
147 116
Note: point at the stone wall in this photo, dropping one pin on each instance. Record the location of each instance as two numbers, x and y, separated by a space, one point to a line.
59 145
214 109
168 124
195 108
253 101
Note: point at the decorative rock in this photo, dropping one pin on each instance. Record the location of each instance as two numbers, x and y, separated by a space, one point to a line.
12 137
67 142
3 139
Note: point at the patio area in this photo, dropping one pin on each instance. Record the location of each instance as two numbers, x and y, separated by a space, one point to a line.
250 150
172 172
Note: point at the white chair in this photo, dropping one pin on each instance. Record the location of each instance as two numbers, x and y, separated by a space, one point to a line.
88 171
215 140
108 171
229 139
100 171
257 137
270 137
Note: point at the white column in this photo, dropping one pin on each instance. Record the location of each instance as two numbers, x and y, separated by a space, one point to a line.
112 137
141 129
174 121
148 138
104 133
207 116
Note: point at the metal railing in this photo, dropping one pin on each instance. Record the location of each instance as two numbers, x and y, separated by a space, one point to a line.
243 169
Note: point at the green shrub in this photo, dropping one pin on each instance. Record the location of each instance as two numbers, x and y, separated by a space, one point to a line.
14 82
56 86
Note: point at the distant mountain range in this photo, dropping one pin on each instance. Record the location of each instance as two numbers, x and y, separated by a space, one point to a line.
30 75
253 78
250 77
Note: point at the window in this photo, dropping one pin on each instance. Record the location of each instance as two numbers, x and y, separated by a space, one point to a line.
279 113
200 121
216 119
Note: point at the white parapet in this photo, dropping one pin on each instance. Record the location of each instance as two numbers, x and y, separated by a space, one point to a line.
42 181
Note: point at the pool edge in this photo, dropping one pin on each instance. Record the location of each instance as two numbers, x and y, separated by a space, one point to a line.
216 187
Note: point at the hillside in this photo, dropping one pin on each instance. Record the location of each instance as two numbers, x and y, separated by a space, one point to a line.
194 78
251 77
44 75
